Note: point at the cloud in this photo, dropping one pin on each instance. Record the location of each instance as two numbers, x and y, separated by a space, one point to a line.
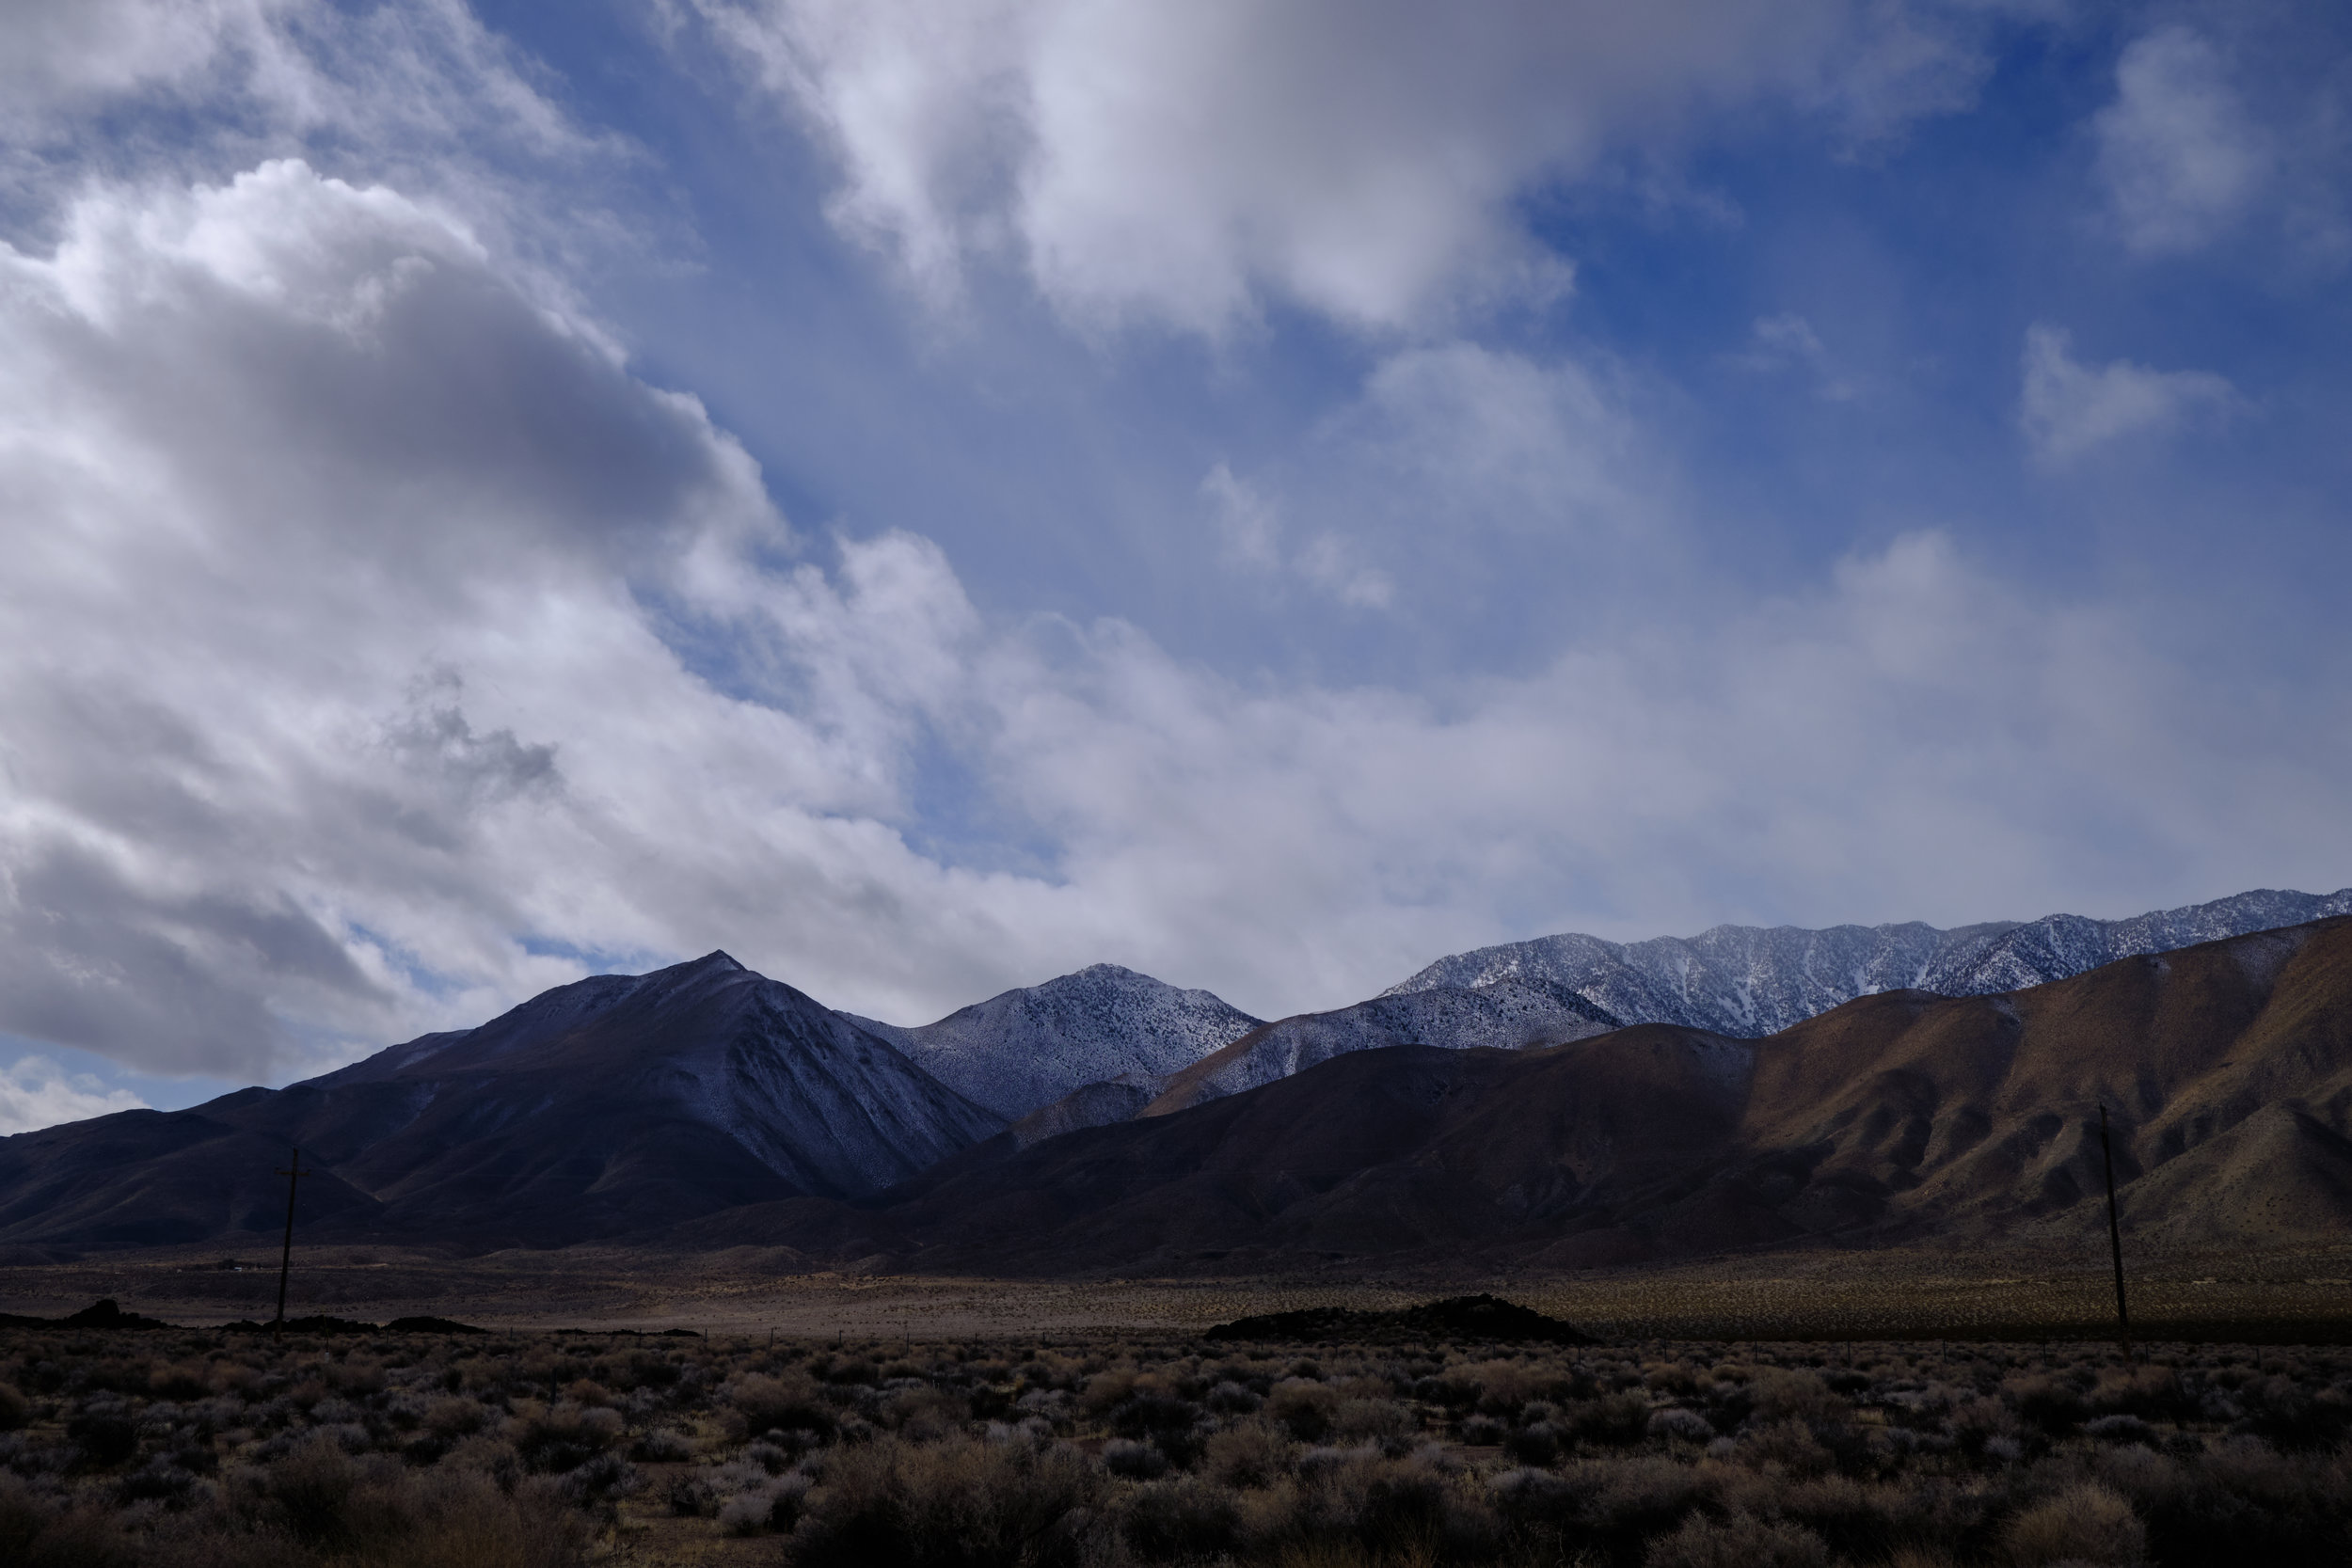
1191 163
2068 407
1787 342
2179 155
382 649
382 652
1250 540
36 1092
416 94
66 53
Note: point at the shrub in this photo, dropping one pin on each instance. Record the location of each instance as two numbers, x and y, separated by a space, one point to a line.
1680 1425
597 1482
1538 1444
1231 1399
1248 1455
23 1517
452 1417
661 1446
105 1437
1171 1424
1739 1541
1778 1395
1617 1420
2084 1524
771 1505
16 1411
786 1403
1480 1431
1170 1521
559 1439
2152 1393
947 1505
313 1488
1136 1461
1306 1408
2119 1429
1627 1501
2054 1407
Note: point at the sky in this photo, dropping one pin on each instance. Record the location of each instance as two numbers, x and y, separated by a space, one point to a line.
928 495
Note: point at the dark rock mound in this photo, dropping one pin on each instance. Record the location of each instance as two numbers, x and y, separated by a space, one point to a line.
1456 1318
430 1325
323 1324
103 1314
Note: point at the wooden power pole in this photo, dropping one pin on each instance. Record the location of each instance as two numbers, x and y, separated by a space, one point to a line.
293 1173
2115 1239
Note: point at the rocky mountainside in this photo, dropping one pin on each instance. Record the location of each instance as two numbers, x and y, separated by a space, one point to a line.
1508 1015
1025 1049
1742 981
1751 981
613 1105
2226 1069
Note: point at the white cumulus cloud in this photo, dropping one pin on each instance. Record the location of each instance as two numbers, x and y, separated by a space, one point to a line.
36 1092
2180 158
1189 161
2068 407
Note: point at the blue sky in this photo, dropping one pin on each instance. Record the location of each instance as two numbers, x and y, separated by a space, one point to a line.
927 497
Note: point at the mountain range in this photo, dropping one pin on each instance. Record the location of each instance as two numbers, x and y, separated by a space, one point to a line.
2225 1070
1740 981
708 1104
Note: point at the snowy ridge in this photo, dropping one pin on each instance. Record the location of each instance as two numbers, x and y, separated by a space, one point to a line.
1751 981
1024 1050
1507 1014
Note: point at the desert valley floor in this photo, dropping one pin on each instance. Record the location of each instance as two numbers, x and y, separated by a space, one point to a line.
2295 1296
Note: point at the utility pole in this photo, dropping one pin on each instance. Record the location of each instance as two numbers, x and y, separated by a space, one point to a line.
293 1173
2115 1239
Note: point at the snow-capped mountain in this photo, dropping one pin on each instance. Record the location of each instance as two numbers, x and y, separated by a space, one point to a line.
1744 981
1751 981
1511 1015
1022 1051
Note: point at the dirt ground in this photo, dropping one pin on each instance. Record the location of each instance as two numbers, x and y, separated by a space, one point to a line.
2302 1297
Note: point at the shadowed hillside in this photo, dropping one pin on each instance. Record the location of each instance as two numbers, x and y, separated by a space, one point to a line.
617 1104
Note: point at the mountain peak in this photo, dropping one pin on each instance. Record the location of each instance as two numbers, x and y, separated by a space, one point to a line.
1027 1047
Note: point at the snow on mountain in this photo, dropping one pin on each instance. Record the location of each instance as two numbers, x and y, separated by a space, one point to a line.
1509 1014
1020 1052
1750 981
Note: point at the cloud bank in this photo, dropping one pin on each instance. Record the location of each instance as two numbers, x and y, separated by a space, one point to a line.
384 647
386 651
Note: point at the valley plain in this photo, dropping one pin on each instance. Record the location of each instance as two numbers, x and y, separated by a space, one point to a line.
2293 1296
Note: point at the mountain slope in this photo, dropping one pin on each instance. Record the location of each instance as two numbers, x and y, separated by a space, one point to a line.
2226 1069
1751 981
1025 1049
615 1104
1508 1015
